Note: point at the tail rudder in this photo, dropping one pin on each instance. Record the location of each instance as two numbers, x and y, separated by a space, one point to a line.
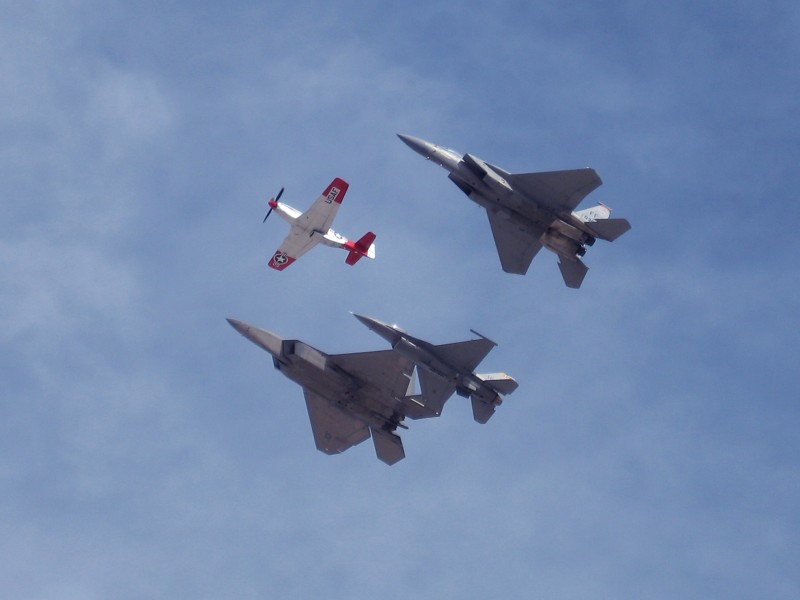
595 213
363 247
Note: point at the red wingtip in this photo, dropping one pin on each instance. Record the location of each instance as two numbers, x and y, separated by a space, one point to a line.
280 261
336 190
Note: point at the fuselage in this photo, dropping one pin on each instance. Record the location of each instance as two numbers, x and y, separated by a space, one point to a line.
424 355
318 372
467 384
313 236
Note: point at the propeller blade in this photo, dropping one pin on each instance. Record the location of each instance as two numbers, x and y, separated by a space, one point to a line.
275 199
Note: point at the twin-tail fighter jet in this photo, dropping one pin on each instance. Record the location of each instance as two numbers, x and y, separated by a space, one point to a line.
351 397
530 210
313 227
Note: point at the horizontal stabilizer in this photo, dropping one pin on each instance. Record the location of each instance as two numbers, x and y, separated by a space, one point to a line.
363 247
608 229
388 446
482 411
573 272
501 383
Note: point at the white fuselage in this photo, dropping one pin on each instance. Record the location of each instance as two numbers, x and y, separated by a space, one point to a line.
292 216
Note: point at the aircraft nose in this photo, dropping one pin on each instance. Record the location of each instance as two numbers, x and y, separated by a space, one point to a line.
417 144
238 326
369 321
386 331
260 337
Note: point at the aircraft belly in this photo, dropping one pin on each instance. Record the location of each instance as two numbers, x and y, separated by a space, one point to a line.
529 210
298 242
560 244
363 401
518 208
568 230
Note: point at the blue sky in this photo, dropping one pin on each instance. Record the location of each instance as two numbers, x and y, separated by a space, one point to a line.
149 451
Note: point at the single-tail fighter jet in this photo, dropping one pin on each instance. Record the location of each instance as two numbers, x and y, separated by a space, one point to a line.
530 210
349 396
449 368
313 227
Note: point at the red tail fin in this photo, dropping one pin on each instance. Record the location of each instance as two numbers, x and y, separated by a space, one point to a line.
360 248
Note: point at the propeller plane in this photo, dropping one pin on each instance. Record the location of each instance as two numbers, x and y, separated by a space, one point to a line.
313 227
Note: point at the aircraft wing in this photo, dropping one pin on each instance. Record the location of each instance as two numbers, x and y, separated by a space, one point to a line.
560 191
320 216
465 355
385 369
517 242
435 391
296 244
334 430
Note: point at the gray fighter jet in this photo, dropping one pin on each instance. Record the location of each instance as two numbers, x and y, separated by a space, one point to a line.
530 210
448 368
349 396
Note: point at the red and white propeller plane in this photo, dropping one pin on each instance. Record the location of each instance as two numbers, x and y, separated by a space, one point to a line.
313 226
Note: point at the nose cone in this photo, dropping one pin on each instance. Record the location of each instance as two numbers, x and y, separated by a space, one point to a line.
370 322
386 331
260 337
418 145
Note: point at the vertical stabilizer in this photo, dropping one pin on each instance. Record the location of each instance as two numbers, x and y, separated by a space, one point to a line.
601 211
363 247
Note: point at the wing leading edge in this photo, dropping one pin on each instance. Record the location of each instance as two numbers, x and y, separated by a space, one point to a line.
560 191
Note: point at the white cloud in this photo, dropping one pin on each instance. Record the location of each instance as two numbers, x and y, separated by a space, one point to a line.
127 108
